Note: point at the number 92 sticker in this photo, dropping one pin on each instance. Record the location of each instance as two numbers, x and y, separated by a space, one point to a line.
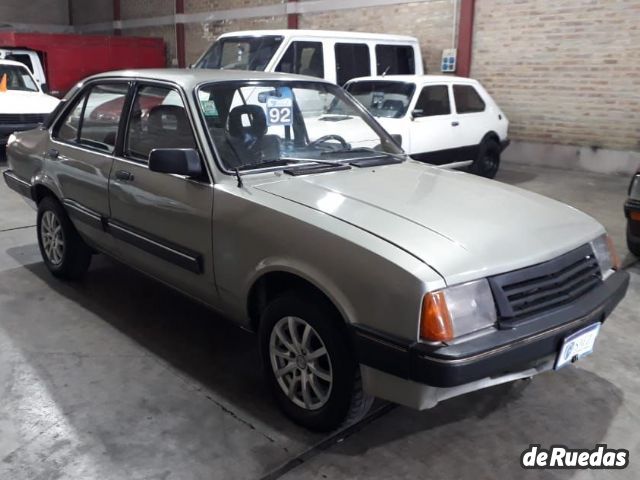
280 111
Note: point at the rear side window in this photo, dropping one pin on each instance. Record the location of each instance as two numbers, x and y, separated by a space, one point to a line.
352 60
304 58
95 119
395 60
433 100
158 120
467 99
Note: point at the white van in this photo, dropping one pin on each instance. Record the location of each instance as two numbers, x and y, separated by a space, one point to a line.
334 56
30 59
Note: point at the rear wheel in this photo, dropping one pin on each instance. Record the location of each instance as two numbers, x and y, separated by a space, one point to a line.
634 246
308 363
488 161
63 251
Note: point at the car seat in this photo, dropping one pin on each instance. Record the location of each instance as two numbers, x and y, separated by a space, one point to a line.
247 138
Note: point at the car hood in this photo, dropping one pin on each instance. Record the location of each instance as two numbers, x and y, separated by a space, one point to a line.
13 101
463 226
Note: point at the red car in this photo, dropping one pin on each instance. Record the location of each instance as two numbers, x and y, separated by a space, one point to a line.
632 212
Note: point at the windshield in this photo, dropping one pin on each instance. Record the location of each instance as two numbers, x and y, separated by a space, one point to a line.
383 99
254 124
241 53
15 77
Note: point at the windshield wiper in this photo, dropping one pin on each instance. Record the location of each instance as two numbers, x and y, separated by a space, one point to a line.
282 161
399 156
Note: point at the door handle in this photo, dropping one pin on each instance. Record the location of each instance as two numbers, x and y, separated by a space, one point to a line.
52 153
124 176
455 124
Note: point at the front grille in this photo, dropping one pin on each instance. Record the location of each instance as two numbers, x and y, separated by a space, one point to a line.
22 118
546 286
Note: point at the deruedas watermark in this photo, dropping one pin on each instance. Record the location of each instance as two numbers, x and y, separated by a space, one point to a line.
562 457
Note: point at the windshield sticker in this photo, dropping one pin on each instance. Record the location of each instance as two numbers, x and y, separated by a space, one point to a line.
209 108
280 108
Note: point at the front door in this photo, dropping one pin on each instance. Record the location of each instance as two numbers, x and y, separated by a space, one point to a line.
162 222
81 155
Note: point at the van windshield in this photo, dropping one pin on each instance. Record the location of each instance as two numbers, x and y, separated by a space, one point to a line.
241 53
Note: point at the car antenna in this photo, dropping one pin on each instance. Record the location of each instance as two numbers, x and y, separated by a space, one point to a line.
238 177
386 70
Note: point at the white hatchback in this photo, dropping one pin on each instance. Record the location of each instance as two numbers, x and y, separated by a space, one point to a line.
441 119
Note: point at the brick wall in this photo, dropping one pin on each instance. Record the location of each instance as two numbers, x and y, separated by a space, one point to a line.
431 22
100 11
29 11
565 72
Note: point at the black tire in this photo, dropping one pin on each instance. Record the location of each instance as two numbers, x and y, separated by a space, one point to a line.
634 246
488 161
347 402
75 255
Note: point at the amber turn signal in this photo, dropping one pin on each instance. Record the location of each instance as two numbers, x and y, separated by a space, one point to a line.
615 258
635 216
435 322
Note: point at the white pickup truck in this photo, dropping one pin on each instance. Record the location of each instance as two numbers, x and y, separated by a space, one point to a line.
23 104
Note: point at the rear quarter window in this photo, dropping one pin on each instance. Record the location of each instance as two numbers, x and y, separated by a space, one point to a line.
467 99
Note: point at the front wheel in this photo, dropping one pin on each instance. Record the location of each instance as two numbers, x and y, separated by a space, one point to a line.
63 250
488 161
308 363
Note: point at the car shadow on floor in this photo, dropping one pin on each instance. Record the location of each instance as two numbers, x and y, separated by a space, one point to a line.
212 354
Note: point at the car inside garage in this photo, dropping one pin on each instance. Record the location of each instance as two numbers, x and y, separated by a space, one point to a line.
308 240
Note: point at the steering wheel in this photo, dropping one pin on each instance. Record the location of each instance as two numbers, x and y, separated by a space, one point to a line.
324 138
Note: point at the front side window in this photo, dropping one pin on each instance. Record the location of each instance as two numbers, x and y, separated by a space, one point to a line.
433 100
17 77
383 98
158 120
304 58
352 60
94 120
395 60
241 53
467 99
260 124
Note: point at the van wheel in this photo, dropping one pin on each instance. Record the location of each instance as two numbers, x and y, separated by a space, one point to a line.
634 247
63 251
488 161
308 363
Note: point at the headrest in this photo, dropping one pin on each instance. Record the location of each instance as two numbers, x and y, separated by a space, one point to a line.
257 121
156 120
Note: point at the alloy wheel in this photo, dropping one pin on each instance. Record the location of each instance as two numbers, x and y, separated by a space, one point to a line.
52 237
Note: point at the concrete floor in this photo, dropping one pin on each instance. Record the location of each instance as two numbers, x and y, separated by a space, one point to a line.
120 378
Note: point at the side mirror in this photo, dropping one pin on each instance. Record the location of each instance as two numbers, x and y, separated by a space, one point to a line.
417 113
180 161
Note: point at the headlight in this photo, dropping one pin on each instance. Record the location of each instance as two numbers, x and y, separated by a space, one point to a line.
457 311
634 188
606 254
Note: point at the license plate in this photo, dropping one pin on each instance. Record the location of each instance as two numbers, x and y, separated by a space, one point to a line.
578 345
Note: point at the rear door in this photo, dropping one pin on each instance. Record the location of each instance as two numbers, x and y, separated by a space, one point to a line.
80 154
161 223
470 120
431 134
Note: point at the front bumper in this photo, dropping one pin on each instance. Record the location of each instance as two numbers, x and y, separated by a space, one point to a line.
17 184
496 354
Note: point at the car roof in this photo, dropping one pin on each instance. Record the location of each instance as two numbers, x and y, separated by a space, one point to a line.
416 78
191 77
320 33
